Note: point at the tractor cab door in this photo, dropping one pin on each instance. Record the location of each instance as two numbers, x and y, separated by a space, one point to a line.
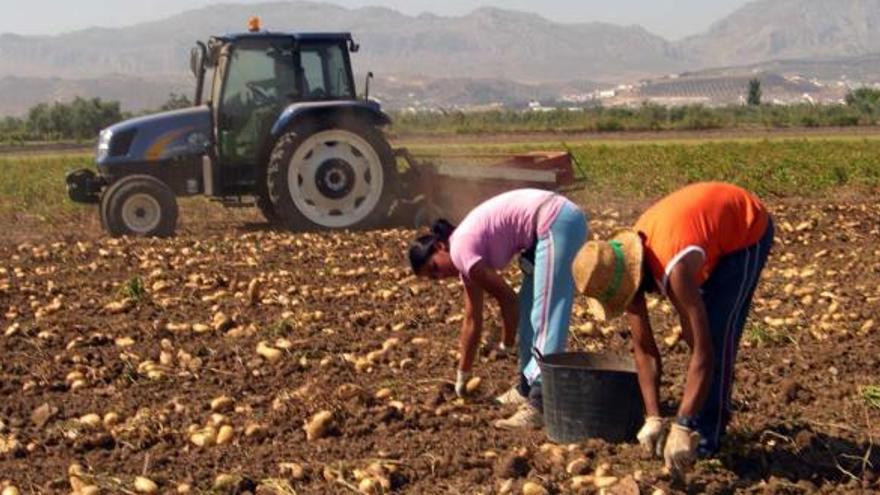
255 81
326 70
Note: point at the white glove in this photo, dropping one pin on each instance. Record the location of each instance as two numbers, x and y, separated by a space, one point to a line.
461 379
681 450
651 434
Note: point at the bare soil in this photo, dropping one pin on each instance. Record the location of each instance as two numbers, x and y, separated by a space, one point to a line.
327 302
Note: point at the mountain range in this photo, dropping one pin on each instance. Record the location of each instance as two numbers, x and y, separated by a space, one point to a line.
501 48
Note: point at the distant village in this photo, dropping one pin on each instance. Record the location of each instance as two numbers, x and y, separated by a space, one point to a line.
672 90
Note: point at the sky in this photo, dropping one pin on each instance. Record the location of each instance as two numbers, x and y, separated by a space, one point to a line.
672 19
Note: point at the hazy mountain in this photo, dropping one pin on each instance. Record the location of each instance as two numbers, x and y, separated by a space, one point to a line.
489 55
485 43
789 29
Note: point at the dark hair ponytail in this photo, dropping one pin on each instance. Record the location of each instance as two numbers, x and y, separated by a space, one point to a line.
443 230
421 250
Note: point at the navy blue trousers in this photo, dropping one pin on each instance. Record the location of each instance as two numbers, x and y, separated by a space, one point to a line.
727 295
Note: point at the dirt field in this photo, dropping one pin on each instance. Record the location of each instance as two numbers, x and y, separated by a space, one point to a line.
196 361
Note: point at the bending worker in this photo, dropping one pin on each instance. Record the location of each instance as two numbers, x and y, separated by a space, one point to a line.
536 224
704 248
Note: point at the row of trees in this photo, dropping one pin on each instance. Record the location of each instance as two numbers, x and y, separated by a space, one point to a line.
80 119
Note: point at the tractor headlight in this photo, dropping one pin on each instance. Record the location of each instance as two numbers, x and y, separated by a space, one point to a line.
104 145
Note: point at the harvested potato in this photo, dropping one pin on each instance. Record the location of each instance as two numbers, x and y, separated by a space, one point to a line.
319 426
145 485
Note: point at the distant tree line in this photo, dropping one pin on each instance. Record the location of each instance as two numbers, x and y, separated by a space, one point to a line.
82 119
79 120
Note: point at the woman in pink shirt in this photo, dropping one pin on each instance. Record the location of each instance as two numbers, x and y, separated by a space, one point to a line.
546 230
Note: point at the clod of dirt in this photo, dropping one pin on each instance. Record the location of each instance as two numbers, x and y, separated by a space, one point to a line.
319 426
10 490
790 388
532 488
512 465
43 414
89 490
253 292
145 485
184 488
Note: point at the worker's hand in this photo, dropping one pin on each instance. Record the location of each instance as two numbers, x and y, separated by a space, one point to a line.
681 450
461 379
651 435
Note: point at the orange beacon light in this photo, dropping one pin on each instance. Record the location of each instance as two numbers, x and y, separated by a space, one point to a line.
254 24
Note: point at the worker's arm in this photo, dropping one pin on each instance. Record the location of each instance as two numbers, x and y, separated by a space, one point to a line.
471 326
647 356
684 293
493 283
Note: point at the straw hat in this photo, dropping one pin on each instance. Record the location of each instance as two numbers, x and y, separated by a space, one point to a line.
609 273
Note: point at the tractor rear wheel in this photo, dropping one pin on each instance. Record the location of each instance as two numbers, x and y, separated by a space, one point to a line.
331 178
139 206
264 203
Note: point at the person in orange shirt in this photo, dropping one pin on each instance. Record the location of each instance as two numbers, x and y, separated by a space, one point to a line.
704 248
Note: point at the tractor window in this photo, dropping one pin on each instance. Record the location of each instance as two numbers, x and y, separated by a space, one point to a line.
260 81
326 72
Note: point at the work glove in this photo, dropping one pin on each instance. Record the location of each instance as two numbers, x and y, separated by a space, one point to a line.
681 450
461 379
651 435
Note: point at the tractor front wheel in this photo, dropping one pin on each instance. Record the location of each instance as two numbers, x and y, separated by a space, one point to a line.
139 206
331 178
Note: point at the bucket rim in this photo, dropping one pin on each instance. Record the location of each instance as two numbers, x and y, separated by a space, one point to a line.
606 362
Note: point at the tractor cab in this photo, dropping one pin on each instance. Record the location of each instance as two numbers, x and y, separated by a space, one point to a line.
255 77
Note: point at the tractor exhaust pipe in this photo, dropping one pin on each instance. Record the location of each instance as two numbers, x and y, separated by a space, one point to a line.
367 86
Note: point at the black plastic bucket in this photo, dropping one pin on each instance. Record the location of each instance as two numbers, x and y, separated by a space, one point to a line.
590 396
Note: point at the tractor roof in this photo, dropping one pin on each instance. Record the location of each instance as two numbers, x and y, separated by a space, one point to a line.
306 37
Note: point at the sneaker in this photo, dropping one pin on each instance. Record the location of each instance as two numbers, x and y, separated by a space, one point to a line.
526 417
511 397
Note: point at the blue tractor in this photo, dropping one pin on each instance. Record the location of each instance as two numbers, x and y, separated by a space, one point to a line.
281 127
